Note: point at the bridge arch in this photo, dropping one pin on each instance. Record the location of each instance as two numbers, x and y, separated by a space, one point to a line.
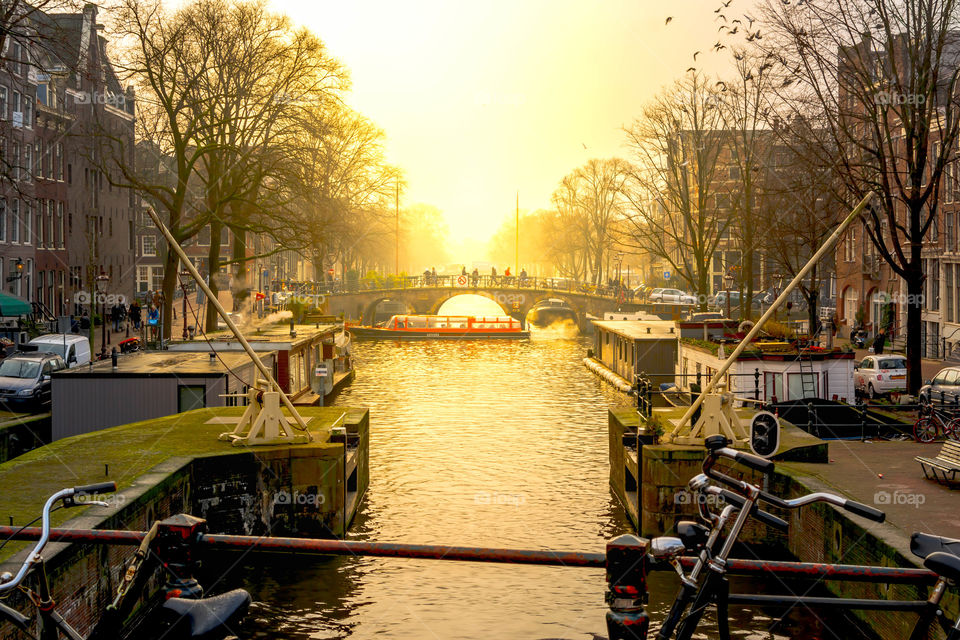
369 311
441 299
540 297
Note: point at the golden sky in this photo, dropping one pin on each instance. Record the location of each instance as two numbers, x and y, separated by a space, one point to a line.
480 100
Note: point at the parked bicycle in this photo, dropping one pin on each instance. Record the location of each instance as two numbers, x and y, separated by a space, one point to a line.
706 583
187 613
932 422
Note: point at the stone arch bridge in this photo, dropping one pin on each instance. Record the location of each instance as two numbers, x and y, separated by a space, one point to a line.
516 301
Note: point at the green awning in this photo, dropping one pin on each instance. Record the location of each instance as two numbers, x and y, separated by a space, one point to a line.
13 306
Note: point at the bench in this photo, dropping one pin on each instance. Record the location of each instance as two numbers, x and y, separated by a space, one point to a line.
945 467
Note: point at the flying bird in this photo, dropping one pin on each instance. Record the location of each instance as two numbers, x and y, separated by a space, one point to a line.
722 85
733 31
787 82
695 54
667 21
717 10
736 21
738 56
691 69
718 46
749 19
584 146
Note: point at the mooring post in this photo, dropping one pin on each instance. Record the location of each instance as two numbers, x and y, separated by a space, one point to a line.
810 420
627 566
756 383
176 541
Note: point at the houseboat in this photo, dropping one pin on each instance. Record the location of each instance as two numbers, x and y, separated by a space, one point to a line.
440 327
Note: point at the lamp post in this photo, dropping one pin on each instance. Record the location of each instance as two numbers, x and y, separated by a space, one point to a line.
183 287
103 281
728 280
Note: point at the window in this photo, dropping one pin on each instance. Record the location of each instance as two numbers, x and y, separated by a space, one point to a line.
15 161
15 220
27 161
190 397
17 114
40 225
795 385
734 173
131 236
51 240
149 245
15 53
60 224
3 102
27 112
27 222
59 159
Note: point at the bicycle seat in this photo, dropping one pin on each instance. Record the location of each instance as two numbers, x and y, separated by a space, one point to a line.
944 564
209 614
923 544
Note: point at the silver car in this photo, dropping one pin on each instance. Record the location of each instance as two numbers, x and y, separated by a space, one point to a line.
878 375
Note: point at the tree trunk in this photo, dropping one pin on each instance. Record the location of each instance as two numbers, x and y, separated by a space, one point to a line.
170 271
914 279
213 261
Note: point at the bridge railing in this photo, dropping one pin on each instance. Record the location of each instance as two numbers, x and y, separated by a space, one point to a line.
470 281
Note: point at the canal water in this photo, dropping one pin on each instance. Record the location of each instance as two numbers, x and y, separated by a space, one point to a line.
472 443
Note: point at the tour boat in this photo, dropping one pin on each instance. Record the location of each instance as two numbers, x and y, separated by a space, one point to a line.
421 326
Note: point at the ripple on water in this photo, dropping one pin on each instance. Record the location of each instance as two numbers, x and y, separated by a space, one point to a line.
472 443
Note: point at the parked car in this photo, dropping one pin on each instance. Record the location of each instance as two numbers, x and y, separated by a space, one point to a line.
74 349
25 379
719 301
945 385
878 375
671 296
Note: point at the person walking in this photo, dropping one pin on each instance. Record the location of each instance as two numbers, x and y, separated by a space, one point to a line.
136 315
879 341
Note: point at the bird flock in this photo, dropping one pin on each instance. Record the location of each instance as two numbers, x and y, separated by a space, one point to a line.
744 26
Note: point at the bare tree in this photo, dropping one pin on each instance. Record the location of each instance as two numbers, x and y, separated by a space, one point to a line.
880 77
676 145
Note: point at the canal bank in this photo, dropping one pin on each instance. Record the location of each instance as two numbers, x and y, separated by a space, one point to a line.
176 465
880 474
486 444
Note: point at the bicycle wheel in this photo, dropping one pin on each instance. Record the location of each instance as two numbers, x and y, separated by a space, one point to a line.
925 430
952 429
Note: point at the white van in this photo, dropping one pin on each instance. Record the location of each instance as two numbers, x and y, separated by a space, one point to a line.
74 349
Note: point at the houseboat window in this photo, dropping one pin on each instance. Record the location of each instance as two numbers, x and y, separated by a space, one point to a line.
190 397
773 386
795 385
606 338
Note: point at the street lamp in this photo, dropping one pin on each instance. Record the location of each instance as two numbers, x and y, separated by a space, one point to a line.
728 280
183 286
103 281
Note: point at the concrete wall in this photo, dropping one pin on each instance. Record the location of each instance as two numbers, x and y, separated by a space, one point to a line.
238 492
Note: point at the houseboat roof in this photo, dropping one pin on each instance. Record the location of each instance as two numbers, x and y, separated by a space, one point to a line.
163 364
263 338
640 329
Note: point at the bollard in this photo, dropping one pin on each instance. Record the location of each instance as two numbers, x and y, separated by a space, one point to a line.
177 537
756 383
627 565
810 420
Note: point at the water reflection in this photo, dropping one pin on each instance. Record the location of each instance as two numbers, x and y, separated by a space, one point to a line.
472 443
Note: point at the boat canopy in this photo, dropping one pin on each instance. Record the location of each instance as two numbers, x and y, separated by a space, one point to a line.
453 322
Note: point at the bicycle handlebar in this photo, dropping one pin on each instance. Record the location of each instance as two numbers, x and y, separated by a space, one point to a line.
99 487
762 516
717 448
64 495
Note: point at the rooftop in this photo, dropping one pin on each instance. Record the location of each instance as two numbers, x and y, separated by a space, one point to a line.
162 364
640 329
269 336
